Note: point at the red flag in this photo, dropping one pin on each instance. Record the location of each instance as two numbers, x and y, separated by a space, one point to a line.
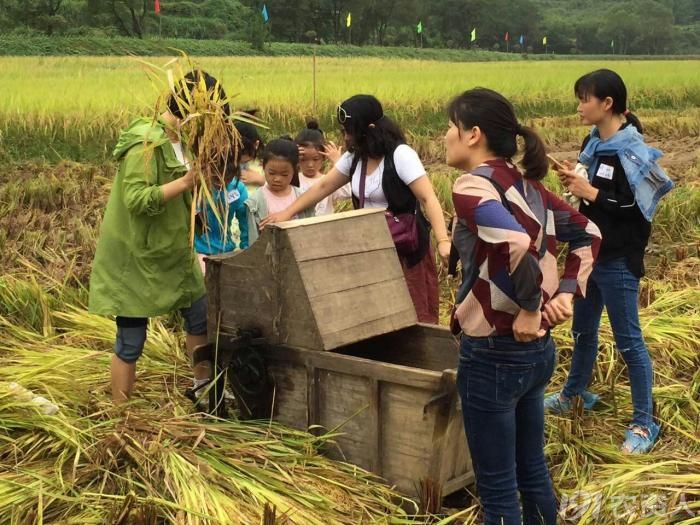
157 7
507 36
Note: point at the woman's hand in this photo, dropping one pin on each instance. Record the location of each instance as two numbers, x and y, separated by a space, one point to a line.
559 309
444 247
281 216
575 184
332 152
526 326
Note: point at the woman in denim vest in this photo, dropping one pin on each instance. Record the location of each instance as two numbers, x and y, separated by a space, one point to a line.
618 185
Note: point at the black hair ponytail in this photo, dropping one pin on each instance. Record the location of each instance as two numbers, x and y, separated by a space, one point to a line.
495 117
534 160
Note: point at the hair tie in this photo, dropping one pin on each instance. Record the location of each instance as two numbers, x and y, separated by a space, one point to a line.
626 112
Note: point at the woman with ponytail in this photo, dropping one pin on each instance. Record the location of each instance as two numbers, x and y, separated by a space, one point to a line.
506 232
619 191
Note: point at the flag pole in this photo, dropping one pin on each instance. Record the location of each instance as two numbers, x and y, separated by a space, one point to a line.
314 82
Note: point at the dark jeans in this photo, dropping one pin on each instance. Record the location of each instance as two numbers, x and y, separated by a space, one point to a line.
502 384
613 286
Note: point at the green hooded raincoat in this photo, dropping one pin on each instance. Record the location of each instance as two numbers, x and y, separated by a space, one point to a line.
144 265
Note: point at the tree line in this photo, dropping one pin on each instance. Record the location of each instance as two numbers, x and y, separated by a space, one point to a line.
559 26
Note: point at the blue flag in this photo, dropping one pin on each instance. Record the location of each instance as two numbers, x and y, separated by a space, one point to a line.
265 14
522 39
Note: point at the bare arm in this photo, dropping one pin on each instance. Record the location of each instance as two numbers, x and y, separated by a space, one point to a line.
423 190
329 183
178 186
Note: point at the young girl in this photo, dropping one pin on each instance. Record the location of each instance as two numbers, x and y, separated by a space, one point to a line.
506 235
230 230
379 161
313 149
252 174
620 194
280 161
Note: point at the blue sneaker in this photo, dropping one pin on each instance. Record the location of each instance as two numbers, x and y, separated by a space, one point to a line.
640 440
558 404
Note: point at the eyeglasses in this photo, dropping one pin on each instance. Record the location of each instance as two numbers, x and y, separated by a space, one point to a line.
342 114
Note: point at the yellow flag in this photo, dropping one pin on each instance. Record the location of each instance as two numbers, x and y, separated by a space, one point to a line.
544 41
473 39
348 21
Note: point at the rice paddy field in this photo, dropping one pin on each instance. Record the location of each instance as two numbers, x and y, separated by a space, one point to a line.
158 463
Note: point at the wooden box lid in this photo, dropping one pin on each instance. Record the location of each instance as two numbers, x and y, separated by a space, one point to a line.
317 283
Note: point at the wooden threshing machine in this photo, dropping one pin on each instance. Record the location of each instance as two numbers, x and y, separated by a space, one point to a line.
320 309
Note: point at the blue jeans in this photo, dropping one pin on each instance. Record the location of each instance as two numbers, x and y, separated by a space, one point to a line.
501 383
612 285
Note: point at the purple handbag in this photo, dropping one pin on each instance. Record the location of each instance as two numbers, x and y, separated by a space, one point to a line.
402 226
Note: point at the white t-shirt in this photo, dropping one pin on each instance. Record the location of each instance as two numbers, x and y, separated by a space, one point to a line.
177 148
408 166
326 206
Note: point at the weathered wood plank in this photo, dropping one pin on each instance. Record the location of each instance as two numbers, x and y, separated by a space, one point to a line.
354 270
350 214
374 432
291 396
343 405
343 310
421 346
406 435
386 372
331 238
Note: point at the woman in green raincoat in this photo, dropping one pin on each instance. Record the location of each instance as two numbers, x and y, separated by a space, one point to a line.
144 265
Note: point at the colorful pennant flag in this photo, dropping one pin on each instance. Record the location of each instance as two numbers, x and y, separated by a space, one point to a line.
473 37
157 7
522 40
544 41
348 20
507 37
419 27
265 14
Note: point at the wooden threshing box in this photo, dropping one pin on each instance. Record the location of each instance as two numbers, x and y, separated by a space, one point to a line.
389 384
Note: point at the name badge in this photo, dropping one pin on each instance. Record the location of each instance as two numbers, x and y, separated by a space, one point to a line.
605 172
233 196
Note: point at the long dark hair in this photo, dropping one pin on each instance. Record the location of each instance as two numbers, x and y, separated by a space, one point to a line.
604 83
283 148
495 116
374 134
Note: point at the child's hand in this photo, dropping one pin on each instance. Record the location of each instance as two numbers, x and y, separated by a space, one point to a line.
332 151
559 309
280 216
252 177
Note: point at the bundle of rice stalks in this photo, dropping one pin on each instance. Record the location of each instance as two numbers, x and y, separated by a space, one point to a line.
152 461
208 130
